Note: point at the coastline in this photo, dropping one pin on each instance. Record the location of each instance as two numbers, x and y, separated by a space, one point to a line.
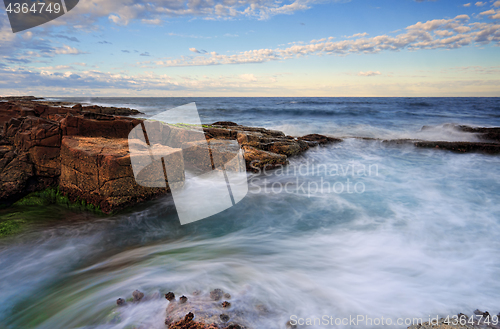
82 151
269 148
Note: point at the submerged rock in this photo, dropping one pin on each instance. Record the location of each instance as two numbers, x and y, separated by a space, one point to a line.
137 295
183 299
188 323
216 294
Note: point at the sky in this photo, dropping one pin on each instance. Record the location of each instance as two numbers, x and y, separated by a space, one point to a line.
335 48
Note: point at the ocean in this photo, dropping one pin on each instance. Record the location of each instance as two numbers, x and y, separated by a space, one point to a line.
363 229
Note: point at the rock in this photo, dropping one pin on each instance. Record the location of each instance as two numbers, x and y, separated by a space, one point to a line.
225 124
289 325
19 98
224 317
226 304
137 296
234 326
99 171
183 299
319 139
461 147
188 323
489 134
227 296
98 126
216 294
170 296
257 159
120 302
288 148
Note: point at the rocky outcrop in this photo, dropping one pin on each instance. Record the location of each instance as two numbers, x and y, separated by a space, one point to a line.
265 148
99 170
462 147
87 153
31 102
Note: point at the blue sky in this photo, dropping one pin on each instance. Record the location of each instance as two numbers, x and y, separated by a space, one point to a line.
258 48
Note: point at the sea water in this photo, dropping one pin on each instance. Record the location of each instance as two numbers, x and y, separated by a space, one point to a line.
413 233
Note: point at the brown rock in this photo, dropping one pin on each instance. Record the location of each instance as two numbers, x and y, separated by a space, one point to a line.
224 123
462 147
319 139
137 296
170 296
216 294
183 299
188 323
99 171
258 159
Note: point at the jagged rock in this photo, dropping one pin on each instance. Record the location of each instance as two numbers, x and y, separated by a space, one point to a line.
319 139
257 159
216 294
170 296
224 317
120 302
98 126
99 171
183 299
226 304
188 323
137 295
461 147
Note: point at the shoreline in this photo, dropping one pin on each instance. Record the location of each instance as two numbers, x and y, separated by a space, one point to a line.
269 148
83 150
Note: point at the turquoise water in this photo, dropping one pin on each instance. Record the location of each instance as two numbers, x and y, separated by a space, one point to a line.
418 237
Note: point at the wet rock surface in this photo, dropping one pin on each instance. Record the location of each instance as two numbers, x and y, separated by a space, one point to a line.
86 152
204 310
40 104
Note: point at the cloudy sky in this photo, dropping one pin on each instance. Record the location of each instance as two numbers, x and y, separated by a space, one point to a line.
258 48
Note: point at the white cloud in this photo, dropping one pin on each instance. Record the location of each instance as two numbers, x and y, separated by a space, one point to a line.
152 12
248 77
496 4
488 12
440 33
67 50
154 21
358 35
467 5
480 3
369 73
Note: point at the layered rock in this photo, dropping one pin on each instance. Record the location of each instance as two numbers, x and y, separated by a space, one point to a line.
32 103
99 170
87 154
